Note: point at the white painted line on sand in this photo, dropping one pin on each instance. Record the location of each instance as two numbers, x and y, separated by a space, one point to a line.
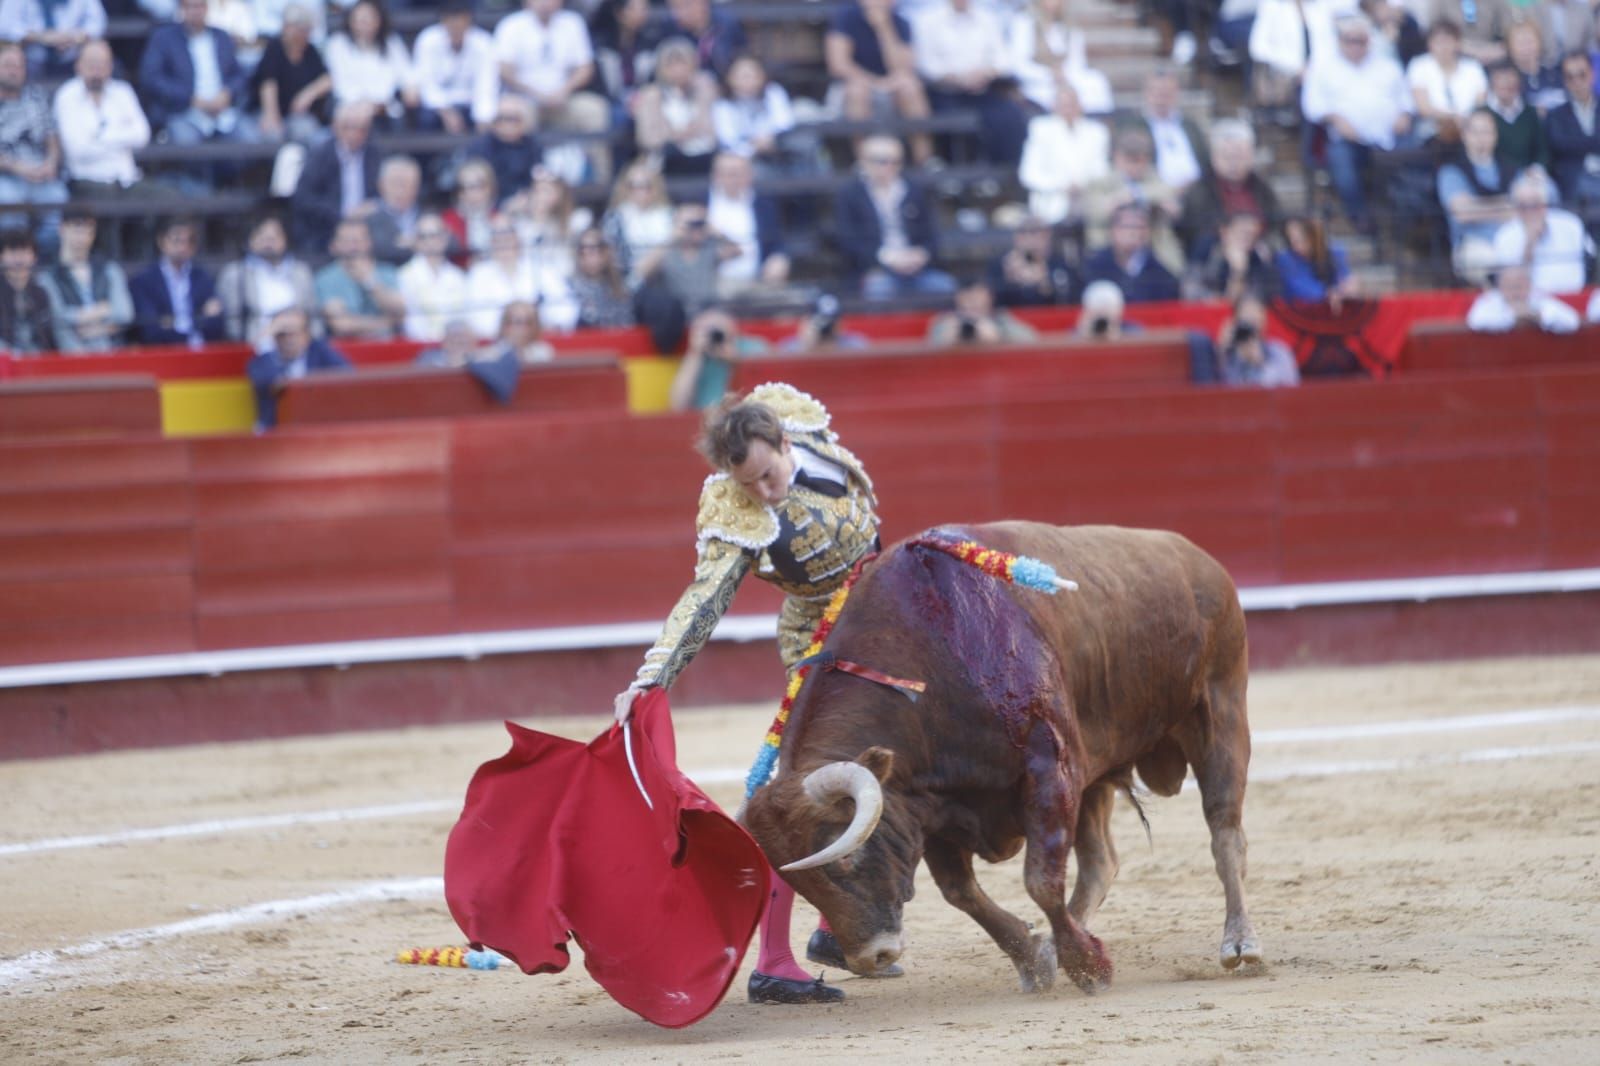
1375 766
36 964
732 775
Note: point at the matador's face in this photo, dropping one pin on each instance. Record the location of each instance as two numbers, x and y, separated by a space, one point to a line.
766 472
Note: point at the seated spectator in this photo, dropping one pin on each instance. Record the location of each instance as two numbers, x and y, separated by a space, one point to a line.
1312 268
1246 355
1231 186
52 32
755 116
1396 31
1180 147
507 275
874 72
976 320
434 288
1519 133
339 177
1045 51
473 215
638 222
293 85
1573 136
1541 81
692 259
101 126
1360 98
715 347
522 336
456 80
821 329
674 112
548 219
1064 154
602 295
1030 273
369 64
26 324
1129 261
1133 180
89 301
1549 241
1446 87
237 18
1239 261
886 228
392 216
1514 303
1484 25
175 299
509 147
193 85
267 280
624 51
961 54
1103 305
359 296
749 221
458 347
716 36
546 57
1475 186
293 355
30 150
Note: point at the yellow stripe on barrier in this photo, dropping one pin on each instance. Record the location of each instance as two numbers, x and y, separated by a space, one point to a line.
208 405
649 383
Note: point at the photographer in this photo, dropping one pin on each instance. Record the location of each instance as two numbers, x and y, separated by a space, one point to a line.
706 372
1246 355
1030 273
1102 313
820 329
975 320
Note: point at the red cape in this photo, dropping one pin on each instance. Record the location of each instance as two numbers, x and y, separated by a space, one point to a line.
555 840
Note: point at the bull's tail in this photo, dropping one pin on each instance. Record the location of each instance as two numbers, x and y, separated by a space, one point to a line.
1122 781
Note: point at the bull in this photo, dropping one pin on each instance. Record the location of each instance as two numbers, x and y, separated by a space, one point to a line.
1037 710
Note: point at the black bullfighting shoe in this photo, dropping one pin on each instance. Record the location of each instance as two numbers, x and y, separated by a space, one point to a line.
765 989
823 947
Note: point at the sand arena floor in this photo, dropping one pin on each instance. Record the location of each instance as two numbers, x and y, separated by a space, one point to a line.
1424 875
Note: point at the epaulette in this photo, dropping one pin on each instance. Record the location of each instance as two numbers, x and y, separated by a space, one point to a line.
799 412
727 513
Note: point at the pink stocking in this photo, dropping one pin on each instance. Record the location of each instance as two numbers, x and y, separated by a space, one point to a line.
775 959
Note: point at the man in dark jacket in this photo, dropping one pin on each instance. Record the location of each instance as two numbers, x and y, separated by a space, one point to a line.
294 354
25 323
509 147
1230 187
175 299
339 176
1573 134
191 80
886 228
1128 262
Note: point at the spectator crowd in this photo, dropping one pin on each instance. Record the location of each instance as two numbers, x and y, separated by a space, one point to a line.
1483 115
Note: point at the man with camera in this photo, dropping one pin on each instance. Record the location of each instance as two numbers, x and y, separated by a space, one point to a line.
1030 273
1246 355
821 329
706 372
975 320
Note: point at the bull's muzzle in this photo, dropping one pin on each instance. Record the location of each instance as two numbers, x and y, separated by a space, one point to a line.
879 953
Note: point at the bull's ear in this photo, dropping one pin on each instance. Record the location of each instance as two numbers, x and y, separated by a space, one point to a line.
880 761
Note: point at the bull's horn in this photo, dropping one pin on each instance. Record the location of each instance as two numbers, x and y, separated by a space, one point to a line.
843 779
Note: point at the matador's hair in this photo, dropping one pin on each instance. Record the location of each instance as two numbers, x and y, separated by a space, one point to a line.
732 426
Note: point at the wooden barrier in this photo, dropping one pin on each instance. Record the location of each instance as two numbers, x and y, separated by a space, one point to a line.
1444 346
108 406
595 383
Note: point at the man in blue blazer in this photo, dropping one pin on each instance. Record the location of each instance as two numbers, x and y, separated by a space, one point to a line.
885 226
1128 261
293 355
175 299
1573 135
191 80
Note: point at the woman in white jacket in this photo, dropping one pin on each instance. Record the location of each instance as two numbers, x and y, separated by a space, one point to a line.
1044 49
1064 152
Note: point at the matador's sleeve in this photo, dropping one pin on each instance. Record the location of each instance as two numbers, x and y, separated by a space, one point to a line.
717 573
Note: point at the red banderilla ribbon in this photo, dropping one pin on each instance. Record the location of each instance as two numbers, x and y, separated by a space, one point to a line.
826 660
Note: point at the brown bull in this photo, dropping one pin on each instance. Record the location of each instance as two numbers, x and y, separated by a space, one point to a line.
1037 710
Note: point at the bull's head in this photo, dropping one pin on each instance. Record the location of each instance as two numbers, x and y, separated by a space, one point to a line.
839 837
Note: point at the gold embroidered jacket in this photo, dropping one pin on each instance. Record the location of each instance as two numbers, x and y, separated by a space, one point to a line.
805 546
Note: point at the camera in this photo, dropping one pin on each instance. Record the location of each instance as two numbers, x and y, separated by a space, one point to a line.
1099 327
716 336
825 317
1243 332
968 331
1030 257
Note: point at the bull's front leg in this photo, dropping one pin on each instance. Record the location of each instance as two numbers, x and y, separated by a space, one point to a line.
1050 811
1033 956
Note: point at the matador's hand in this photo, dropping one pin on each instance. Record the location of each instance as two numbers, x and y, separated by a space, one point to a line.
623 705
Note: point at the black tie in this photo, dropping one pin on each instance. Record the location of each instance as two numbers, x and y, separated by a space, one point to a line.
822 485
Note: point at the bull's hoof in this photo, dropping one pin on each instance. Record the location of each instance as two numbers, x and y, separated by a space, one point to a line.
1238 950
765 988
1092 970
823 948
1038 973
